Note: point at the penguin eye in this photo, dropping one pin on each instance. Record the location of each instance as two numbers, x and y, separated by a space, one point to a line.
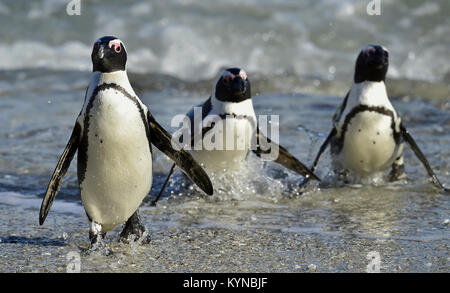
116 45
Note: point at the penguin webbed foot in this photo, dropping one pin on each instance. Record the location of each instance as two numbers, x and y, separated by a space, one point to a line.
304 184
343 175
134 231
397 173
98 245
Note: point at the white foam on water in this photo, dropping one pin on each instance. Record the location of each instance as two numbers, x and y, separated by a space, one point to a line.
194 39
28 201
33 54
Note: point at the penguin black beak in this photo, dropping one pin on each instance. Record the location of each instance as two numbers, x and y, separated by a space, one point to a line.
378 63
378 58
239 85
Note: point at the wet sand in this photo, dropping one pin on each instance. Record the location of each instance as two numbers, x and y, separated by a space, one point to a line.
237 241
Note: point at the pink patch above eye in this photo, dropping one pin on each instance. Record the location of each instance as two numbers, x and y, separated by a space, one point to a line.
116 45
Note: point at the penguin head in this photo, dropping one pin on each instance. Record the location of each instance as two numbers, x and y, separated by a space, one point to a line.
108 55
372 64
232 86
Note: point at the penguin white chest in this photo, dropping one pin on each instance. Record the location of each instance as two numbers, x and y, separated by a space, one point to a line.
369 144
226 145
118 171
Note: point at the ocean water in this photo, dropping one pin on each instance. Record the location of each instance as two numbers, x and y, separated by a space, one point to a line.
193 39
299 56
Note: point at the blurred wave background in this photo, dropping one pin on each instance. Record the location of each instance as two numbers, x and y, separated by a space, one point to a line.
193 39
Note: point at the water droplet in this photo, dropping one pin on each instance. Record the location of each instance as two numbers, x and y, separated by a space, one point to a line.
65 236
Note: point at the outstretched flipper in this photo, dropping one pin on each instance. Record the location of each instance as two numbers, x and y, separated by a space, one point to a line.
408 138
321 150
284 158
163 141
60 171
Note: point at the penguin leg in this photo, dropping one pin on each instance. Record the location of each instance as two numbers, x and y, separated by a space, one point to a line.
96 236
342 175
398 170
134 230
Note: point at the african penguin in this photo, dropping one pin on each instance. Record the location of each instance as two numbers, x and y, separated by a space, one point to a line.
230 107
231 102
113 135
368 135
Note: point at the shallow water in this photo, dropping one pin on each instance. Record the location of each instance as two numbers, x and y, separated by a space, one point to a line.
300 57
256 221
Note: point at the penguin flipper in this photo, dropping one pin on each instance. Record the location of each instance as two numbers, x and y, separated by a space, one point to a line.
319 154
408 138
163 141
337 115
284 158
59 172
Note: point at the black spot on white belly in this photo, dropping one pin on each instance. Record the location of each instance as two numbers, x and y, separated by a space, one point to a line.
338 143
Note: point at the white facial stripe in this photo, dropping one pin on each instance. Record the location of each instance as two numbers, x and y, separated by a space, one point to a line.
116 41
116 44
101 52
243 75
110 43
